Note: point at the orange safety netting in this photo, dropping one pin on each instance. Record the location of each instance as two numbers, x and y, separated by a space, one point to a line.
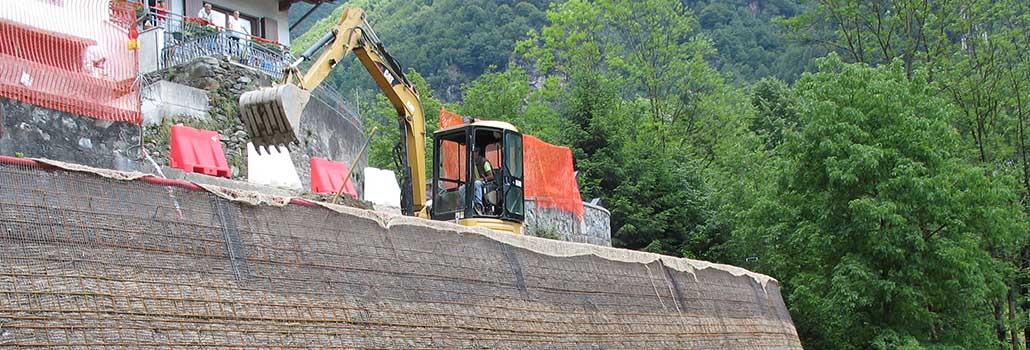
550 178
454 154
71 56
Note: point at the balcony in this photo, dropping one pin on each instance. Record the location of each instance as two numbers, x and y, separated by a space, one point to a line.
169 40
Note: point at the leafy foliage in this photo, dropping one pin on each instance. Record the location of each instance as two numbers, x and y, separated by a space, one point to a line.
877 225
451 42
887 188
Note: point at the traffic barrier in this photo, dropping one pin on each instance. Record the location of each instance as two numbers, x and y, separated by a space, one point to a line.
198 151
272 168
327 177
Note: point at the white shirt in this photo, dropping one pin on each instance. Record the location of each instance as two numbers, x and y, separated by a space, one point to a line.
236 25
203 14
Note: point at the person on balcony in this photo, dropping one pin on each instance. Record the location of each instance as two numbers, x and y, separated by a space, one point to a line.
205 14
160 12
238 34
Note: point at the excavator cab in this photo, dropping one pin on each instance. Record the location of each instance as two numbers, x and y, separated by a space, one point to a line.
478 176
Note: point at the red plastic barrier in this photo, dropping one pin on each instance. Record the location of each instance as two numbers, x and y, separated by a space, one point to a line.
327 177
198 151
549 172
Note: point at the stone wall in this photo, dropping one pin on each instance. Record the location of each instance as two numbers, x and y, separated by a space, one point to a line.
27 130
594 228
326 129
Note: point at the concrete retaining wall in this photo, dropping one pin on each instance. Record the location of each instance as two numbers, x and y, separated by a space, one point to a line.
164 98
594 228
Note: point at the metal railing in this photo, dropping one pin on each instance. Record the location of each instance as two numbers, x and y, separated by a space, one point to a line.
334 100
188 38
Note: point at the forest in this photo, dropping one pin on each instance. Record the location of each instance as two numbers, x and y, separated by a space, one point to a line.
871 155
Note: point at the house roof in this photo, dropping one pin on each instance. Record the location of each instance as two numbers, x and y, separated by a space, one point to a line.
285 4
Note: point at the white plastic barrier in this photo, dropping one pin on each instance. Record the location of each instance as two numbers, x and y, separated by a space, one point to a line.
271 168
381 187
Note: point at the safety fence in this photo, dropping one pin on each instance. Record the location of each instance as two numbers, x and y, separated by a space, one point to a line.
72 56
88 262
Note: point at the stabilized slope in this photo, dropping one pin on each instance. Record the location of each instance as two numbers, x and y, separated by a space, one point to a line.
92 262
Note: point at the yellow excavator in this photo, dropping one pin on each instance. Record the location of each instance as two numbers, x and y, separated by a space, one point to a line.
477 166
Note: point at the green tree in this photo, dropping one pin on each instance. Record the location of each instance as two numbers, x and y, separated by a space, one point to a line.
776 110
973 52
649 116
877 226
509 96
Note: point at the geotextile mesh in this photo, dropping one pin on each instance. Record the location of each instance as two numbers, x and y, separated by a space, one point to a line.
89 262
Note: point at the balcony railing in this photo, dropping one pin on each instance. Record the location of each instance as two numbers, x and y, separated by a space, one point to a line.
187 38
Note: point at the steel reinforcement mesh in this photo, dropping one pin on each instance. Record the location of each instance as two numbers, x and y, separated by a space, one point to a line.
92 263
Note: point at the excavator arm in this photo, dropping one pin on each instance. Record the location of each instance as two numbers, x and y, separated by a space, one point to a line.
272 115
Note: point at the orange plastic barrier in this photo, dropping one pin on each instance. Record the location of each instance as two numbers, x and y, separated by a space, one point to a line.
550 175
327 177
71 56
449 119
198 151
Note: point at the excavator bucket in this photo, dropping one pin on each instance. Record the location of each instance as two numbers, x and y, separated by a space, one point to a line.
271 115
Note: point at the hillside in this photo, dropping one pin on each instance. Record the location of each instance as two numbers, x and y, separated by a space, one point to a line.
453 42
450 42
300 8
750 46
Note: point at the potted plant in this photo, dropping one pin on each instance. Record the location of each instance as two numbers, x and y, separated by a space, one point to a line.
268 44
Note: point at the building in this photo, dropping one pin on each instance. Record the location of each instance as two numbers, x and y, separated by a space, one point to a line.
263 18
88 82
183 31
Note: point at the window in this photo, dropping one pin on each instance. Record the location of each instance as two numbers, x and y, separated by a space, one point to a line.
513 196
220 16
452 169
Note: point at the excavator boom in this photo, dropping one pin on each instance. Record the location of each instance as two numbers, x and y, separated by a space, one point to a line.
272 115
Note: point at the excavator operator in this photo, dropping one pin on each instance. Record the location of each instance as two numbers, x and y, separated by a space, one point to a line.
484 175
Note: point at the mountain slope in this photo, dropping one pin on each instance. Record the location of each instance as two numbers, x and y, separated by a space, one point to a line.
451 42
